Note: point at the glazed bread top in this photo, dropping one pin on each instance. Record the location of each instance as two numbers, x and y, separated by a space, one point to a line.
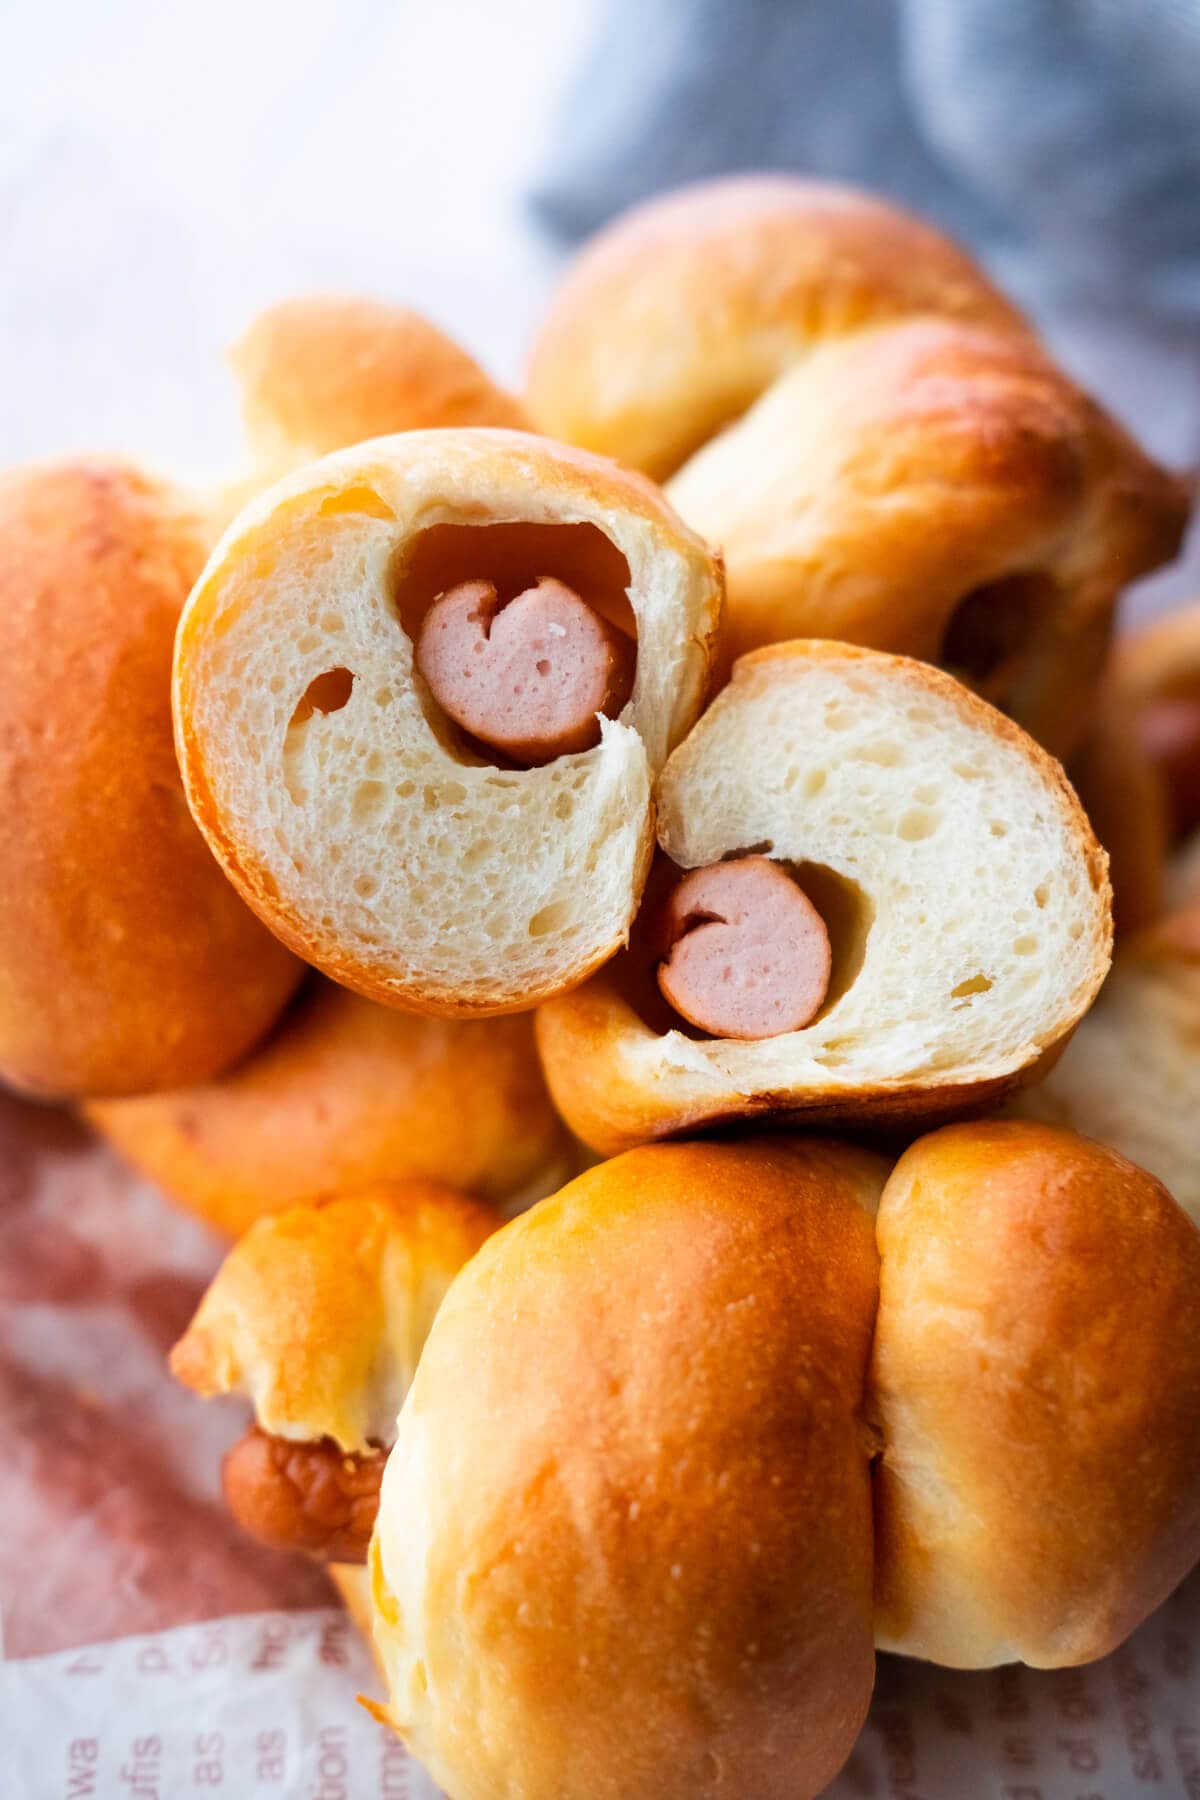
632 1457
127 962
352 815
632 1463
318 1315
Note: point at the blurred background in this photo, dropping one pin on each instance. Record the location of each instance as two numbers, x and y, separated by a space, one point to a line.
164 172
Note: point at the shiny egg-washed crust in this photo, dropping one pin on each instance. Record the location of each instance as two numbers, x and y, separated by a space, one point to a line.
322 371
318 1314
385 493
618 1082
127 962
866 429
631 1458
1036 1387
1130 1076
345 1093
632 1463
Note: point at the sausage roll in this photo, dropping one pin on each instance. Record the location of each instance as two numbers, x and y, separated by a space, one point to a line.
127 962
868 430
879 900
422 690
723 1425
318 1316
345 1094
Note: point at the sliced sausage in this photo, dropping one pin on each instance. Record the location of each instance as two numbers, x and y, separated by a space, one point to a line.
747 953
528 678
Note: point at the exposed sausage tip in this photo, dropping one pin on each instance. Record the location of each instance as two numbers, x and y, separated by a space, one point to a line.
747 954
529 678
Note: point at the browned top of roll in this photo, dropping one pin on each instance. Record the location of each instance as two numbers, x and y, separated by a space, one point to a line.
321 372
318 1315
1037 1386
678 315
343 1094
126 960
651 1486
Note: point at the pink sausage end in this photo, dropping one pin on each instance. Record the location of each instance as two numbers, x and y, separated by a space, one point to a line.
527 679
749 954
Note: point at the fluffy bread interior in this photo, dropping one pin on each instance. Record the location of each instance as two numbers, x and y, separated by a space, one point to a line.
364 829
984 926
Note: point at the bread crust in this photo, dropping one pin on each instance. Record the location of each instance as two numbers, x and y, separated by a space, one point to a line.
344 1094
653 1482
673 320
869 431
318 1314
618 1082
322 371
127 962
1036 1386
389 491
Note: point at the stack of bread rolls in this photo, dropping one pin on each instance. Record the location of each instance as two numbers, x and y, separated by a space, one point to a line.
662 766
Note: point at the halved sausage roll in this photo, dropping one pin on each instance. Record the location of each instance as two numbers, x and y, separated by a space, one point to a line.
878 900
422 691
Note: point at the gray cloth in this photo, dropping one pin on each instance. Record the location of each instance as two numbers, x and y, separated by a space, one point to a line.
1059 138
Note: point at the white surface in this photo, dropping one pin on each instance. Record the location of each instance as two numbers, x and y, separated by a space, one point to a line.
264 1705
166 171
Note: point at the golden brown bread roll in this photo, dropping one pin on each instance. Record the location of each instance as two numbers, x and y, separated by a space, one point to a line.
964 895
633 1464
1036 1385
409 861
1131 1074
344 1094
677 317
322 371
868 431
632 1458
318 1316
127 962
